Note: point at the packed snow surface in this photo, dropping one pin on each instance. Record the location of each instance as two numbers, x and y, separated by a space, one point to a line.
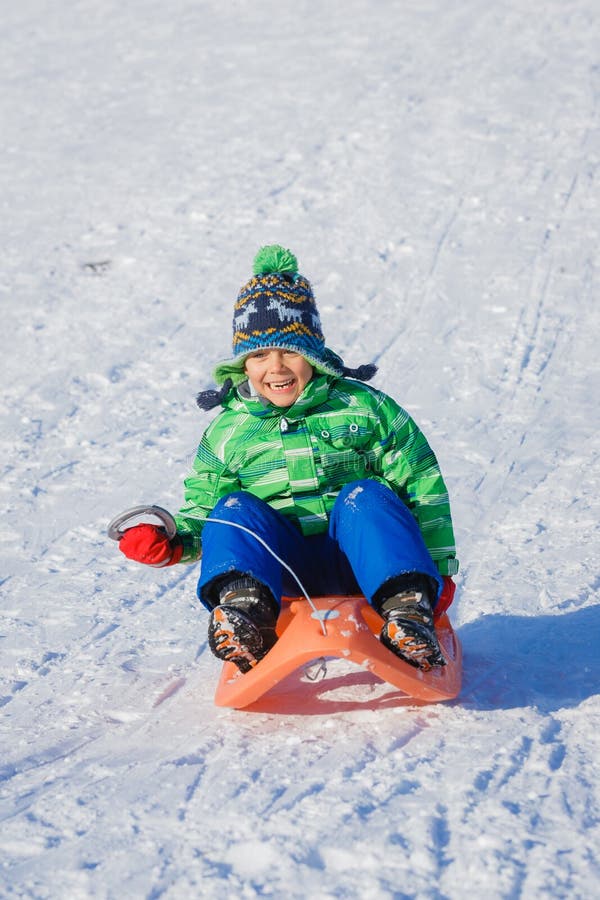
434 166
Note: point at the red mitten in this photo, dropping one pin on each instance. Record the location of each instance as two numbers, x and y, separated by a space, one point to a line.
446 597
149 544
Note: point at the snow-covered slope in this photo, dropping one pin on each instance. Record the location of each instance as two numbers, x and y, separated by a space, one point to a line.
434 166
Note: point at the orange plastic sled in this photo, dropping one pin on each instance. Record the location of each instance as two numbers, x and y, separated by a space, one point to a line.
352 627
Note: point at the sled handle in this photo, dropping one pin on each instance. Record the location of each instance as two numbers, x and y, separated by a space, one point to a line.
115 528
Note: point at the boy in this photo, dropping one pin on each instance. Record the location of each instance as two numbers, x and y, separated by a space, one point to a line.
307 475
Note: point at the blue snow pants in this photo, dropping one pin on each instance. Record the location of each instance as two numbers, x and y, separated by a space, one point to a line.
372 538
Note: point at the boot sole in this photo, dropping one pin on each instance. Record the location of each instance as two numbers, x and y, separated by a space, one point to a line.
232 637
410 645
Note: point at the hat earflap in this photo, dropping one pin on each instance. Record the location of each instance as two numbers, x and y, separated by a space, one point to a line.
362 373
335 364
209 399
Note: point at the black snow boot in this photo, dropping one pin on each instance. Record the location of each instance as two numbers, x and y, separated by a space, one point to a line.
408 630
242 627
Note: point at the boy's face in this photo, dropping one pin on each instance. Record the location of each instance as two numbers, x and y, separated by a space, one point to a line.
279 375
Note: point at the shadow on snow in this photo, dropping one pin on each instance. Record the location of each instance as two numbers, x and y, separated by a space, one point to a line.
548 661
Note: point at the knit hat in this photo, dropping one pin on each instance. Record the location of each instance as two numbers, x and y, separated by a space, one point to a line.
277 309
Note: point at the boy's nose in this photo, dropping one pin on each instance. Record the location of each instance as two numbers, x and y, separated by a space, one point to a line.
277 361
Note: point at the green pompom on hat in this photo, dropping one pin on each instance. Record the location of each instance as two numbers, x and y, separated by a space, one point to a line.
274 259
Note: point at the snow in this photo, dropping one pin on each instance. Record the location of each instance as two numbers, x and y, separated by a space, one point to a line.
434 166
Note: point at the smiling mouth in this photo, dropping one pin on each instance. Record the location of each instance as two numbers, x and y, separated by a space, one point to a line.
281 385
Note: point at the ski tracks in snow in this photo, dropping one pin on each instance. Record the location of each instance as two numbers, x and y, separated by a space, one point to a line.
530 778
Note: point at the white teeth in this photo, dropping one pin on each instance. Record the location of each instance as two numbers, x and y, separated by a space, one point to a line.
281 384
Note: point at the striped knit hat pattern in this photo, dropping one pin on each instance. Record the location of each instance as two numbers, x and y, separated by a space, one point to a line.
276 309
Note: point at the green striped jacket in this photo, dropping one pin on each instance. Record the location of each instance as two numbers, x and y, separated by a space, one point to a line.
298 459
